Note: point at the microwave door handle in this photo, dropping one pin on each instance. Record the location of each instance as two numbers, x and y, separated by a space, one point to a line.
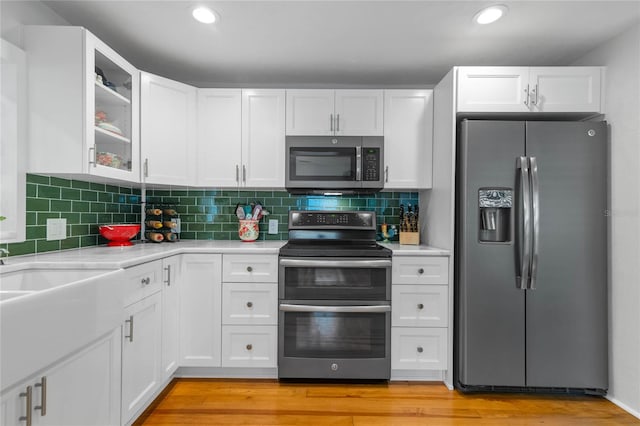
358 163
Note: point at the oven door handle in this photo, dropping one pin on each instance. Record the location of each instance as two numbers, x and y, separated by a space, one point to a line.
306 263
285 307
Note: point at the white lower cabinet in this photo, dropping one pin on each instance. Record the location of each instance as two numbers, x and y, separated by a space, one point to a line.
82 390
419 348
170 315
141 349
250 311
249 346
141 339
199 310
419 316
420 305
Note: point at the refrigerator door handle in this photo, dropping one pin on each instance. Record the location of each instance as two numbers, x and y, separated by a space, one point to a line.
525 255
535 213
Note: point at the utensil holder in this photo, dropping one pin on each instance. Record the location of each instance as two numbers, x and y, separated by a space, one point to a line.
410 238
248 230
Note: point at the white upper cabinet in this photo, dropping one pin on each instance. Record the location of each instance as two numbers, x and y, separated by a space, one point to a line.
263 140
241 138
317 112
525 89
408 138
83 101
486 89
13 151
168 130
310 112
219 145
565 89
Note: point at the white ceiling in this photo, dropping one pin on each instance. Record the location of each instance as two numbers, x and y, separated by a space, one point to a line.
335 43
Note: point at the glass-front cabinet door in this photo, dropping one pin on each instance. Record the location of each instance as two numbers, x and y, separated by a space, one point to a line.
112 90
83 106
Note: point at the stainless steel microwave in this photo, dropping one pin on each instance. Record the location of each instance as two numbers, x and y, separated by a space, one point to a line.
327 164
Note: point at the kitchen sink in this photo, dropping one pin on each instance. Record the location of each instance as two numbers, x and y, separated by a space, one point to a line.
27 281
49 312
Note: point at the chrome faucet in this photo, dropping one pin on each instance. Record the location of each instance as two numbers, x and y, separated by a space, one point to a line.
3 252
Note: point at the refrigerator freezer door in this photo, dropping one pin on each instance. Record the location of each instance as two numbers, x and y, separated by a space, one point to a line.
490 307
567 311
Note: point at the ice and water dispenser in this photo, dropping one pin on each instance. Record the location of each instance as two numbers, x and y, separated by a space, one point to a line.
495 206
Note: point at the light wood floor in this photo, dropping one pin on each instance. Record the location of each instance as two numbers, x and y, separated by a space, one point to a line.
269 402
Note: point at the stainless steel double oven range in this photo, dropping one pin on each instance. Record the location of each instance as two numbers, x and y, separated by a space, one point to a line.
334 298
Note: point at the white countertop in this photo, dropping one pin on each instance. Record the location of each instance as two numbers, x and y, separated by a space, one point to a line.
123 257
411 250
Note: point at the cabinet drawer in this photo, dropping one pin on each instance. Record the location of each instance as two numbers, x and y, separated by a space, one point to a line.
249 346
142 281
420 270
250 303
418 348
419 305
250 268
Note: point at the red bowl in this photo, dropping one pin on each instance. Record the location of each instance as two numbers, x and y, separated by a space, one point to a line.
119 235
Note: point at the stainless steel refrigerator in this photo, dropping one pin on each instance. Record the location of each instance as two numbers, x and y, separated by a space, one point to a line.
531 256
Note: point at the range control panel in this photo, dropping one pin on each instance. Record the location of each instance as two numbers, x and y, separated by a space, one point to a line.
328 219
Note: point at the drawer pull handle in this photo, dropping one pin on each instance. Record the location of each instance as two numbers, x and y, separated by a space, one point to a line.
420 306
145 281
249 269
249 346
421 271
419 349
249 304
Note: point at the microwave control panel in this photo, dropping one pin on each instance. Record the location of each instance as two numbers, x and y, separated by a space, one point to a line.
371 164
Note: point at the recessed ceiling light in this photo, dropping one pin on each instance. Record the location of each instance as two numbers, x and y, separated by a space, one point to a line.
490 14
204 15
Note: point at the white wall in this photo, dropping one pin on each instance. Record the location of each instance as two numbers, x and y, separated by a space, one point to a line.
15 14
621 56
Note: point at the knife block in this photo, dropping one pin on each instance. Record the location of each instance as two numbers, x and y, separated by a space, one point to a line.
410 238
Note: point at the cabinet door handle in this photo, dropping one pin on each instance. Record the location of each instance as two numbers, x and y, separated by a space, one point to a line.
43 396
421 271
526 96
130 321
386 174
331 122
168 269
92 156
237 173
145 281
249 304
249 269
535 95
244 173
249 346
337 122
420 306
419 349
28 393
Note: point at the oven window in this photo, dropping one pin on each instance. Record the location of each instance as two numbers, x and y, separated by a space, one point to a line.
313 283
323 164
334 335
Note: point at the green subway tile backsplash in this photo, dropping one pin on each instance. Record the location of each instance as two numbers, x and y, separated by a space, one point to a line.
205 213
85 205
210 214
